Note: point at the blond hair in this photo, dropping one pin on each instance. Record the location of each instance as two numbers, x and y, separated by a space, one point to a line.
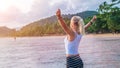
80 24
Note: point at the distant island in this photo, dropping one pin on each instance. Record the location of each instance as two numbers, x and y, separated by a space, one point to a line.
5 31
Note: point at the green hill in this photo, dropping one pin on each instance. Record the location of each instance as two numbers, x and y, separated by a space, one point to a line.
49 25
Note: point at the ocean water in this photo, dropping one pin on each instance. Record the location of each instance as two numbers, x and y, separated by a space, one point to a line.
49 52
32 52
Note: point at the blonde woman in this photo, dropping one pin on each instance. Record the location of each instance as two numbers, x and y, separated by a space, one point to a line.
72 40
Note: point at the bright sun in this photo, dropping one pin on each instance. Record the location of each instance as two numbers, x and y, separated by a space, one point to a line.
23 5
4 4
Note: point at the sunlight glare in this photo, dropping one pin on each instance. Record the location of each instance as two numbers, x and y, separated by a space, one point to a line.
23 5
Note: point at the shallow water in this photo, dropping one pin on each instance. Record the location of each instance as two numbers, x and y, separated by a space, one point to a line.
49 52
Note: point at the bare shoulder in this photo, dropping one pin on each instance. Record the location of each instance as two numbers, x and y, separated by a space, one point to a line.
71 36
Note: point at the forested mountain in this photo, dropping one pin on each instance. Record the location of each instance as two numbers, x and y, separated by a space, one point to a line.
50 26
53 19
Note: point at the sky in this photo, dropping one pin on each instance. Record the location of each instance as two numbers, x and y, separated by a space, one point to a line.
18 13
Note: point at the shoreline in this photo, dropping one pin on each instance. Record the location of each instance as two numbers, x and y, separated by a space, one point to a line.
104 35
88 35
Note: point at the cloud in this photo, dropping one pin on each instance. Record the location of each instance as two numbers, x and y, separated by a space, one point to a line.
44 8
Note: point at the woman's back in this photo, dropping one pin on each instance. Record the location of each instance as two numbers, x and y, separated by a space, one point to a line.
72 46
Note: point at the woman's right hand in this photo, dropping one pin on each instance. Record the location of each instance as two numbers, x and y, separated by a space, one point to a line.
58 13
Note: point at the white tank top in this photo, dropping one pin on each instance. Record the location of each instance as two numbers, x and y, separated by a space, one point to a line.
72 46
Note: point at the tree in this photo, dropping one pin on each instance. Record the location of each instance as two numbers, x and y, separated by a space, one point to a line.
110 13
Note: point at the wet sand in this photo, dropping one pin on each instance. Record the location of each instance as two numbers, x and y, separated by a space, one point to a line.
96 51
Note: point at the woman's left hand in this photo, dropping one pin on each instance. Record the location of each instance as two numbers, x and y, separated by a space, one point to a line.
94 18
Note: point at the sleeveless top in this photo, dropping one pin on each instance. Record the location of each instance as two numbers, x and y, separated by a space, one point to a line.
72 46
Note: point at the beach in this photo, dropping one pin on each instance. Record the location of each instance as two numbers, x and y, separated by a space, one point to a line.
96 51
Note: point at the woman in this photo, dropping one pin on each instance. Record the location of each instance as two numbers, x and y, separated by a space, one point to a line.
74 34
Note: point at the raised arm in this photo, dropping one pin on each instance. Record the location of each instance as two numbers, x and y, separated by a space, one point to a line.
90 22
63 25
